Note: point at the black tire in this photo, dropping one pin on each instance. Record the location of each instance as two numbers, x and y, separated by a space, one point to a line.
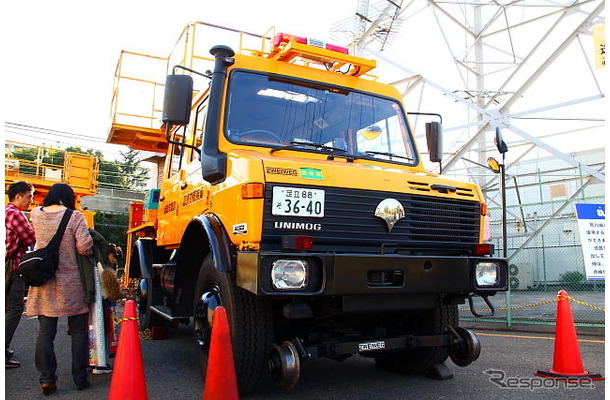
148 294
250 324
418 360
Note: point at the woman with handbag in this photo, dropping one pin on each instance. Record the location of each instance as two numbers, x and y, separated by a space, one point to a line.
64 294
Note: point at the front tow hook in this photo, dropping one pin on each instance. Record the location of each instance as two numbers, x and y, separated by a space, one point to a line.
486 300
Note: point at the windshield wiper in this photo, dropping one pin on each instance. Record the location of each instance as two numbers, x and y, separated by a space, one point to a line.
299 144
391 155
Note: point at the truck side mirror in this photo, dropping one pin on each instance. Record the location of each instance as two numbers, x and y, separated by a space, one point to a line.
177 99
500 144
434 138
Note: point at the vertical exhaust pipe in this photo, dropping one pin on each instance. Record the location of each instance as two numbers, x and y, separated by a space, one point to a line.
213 161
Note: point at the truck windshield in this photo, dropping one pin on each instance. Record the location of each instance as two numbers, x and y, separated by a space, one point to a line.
283 114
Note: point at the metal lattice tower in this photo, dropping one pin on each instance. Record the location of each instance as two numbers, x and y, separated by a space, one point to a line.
523 66
373 25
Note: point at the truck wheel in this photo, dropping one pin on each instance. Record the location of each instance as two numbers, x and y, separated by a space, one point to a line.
250 324
421 359
148 294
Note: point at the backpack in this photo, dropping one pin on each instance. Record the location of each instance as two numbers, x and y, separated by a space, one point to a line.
38 266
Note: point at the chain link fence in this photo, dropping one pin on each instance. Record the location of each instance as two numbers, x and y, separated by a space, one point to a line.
544 256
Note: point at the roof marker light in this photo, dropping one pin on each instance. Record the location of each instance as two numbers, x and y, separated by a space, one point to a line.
285 38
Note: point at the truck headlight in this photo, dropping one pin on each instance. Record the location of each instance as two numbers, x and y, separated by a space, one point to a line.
289 274
487 273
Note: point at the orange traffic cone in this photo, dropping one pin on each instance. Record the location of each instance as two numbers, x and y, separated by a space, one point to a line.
220 379
128 381
567 363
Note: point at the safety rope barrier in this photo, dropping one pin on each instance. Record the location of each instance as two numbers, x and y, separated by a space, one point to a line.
585 304
542 303
145 334
117 320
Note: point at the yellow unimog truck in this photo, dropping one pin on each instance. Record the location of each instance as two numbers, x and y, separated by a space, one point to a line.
293 195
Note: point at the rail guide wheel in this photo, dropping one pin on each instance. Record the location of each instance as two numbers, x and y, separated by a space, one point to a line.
468 348
285 365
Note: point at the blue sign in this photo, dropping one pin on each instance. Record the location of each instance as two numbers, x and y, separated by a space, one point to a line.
591 211
592 227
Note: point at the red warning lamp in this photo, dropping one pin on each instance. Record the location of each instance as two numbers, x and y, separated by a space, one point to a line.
285 38
338 49
297 242
483 249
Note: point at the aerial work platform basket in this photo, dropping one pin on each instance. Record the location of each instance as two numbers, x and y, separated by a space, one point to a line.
139 80
44 166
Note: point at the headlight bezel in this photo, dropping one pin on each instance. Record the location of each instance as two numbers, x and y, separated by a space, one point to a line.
315 283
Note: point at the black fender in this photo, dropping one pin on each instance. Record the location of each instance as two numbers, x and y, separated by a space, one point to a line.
142 257
223 250
205 234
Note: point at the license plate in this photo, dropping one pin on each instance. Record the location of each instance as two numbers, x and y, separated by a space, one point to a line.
298 202
371 346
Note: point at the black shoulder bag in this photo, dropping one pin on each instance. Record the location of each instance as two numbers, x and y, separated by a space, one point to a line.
39 266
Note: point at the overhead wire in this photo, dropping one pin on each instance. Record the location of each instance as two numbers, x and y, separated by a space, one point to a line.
52 134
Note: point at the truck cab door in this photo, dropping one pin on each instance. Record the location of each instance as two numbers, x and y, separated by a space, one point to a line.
168 230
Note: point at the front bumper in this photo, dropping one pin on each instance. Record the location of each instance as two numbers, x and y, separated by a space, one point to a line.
358 274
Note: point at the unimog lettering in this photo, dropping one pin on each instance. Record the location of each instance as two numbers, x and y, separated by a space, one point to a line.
303 226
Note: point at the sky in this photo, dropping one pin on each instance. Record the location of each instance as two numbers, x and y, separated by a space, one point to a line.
61 55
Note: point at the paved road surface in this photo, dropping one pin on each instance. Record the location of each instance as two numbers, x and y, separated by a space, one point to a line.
172 372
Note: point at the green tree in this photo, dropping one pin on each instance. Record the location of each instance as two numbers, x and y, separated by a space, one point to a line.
24 153
53 157
110 175
34 154
135 176
28 154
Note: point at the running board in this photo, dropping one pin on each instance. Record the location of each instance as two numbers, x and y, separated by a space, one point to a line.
166 313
